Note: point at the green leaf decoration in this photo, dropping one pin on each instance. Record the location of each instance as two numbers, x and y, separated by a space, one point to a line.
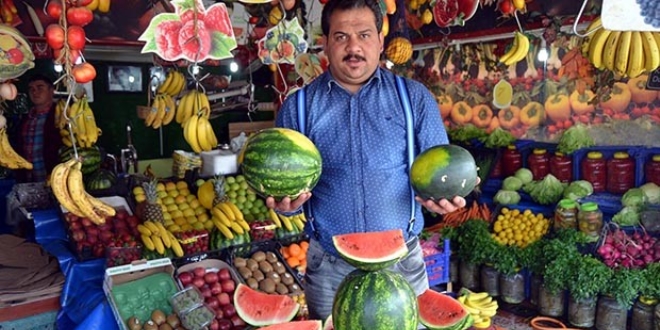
150 46
221 46
183 5
150 32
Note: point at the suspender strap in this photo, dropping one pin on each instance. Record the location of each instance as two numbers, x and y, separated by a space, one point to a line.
302 128
407 109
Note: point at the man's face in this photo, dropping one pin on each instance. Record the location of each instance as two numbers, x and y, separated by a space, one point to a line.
353 47
41 93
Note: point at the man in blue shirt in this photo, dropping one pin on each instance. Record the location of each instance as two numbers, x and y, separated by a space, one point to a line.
354 116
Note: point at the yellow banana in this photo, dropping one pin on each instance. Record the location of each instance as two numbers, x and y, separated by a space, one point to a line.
148 243
471 310
10 158
237 228
622 53
514 47
161 112
58 185
296 221
274 218
91 130
488 312
152 226
597 46
176 247
243 224
170 110
611 49
169 78
163 234
238 215
651 51
203 126
286 222
76 189
226 209
80 129
521 50
205 105
635 65
144 230
153 113
180 108
224 230
478 296
218 214
104 6
191 133
94 5
101 207
158 243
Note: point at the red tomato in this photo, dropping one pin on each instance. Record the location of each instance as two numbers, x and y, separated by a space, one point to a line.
73 56
75 37
54 9
80 16
83 73
506 7
253 20
55 36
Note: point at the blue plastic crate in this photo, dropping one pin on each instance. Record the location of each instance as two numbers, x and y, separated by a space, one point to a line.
437 266
644 156
608 153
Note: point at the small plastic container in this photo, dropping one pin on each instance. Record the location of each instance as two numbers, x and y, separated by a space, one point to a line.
566 214
594 170
561 166
511 161
590 220
652 169
193 241
539 163
117 256
620 173
186 300
198 318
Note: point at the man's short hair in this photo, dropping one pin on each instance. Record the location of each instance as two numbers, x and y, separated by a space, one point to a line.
40 77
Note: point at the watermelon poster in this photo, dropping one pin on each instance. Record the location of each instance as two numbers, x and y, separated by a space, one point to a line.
192 33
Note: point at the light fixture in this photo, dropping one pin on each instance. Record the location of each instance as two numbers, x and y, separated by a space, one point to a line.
233 66
389 64
543 52
131 79
57 67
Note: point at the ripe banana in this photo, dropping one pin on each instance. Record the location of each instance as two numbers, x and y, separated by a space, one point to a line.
221 216
286 221
148 243
190 128
481 306
176 246
9 158
237 212
101 207
275 218
296 221
635 65
518 50
237 228
161 112
224 230
183 107
144 230
203 127
76 188
152 227
158 244
651 51
165 86
611 50
153 113
597 47
622 53
91 130
170 109
58 184
164 235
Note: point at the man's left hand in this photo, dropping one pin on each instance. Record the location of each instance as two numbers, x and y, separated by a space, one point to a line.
444 206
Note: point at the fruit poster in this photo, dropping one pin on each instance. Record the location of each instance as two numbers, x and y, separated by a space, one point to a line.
192 32
16 55
282 43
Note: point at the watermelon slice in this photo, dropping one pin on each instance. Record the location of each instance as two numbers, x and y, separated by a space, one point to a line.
262 309
439 311
296 325
371 251
327 325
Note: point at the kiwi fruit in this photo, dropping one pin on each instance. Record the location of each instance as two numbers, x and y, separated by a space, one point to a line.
240 262
278 267
158 317
134 323
274 276
265 267
252 264
150 325
173 320
258 275
281 288
253 283
165 326
245 272
287 279
259 256
267 285
294 288
271 257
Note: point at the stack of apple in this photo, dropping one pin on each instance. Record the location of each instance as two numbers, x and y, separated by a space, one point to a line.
90 240
217 288
68 41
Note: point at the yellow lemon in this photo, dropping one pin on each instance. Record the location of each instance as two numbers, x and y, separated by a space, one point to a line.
160 186
502 94
181 185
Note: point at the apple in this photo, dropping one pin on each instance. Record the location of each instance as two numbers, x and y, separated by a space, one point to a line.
216 288
236 320
211 277
86 222
224 324
122 215
224 274
75 225
218 313
214 325
133 221
206 292
199 271
228 286
106 236
185 278
224 299
92 231
78 235
229 310
212 302
198 282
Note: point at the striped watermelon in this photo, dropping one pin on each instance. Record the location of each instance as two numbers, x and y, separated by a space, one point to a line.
359 250
280 162
296 325
379 300
91 158
439 311
261 309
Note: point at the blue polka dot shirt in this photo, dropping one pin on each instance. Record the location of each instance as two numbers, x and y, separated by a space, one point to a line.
364 184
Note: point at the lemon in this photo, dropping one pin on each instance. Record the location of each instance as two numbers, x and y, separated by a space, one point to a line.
7 42
427 17
502 94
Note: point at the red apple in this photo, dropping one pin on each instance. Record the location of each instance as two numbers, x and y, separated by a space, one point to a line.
133 221
218 313
206 292
199 271
106 236
185 278
216 288
224 299
214 325
92 231
212 302
237 321
78 235
211 277
224 324
198 282
86 222
122 214
224 274
75 225
228 286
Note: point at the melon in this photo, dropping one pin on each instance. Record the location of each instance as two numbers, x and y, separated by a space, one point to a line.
359 250
280 162
443 172
378 300
261 309
438 311
296 325
327 325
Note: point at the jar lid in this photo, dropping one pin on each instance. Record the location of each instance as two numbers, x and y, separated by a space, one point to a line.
539 151
656 158
559 154
568 204
511 147
589 207
621 155
594 155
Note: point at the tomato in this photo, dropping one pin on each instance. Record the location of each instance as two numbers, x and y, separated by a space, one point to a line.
83 73
75 37
506 7
73 56
55 36
54 9
80 16
253 20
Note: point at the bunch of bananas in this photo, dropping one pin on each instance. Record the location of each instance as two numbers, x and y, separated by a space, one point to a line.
66 181
103 6
626 53
199 134
518 50
229 219
83 123
192 103
155 236
288 222
162 111
480 305
174 84
9 158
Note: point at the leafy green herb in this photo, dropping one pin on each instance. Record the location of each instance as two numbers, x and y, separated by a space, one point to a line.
650 287
465 133
588 277
473 241
557 254
625 285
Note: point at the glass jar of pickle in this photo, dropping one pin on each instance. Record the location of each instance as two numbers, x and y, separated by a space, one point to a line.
566 214
590 220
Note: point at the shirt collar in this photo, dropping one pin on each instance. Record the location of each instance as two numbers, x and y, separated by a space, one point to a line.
330 81
38 111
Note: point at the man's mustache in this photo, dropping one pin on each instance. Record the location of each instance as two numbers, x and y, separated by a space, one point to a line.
354 57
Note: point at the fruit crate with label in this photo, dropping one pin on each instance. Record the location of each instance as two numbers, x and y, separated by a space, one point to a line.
437 265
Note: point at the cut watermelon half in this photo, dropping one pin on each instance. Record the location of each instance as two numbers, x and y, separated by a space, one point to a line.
261 309
371 251
327 325
296 325
439 311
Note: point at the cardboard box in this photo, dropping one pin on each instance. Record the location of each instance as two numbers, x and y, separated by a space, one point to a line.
132 272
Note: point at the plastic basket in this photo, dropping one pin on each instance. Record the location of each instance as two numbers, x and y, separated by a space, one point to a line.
437 265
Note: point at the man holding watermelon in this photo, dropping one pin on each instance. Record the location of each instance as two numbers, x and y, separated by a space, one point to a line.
356 117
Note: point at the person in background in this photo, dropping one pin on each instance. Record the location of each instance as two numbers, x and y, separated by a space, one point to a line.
354 116
37 138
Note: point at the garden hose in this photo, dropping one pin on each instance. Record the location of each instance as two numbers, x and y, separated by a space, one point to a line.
547 323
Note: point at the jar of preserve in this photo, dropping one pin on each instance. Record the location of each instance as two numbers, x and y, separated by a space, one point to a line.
496 171
620 173
511 161
590 220
642 314
561 166
652 170
566 214
539 163
594 170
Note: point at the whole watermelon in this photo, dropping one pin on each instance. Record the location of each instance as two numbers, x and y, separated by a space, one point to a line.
443 171
380 300
99 180
280 162
91 158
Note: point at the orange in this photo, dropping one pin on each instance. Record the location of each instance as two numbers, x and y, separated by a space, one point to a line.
294 250
293 261
285 252
304 245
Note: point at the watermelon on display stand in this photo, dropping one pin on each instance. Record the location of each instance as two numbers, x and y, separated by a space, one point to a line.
261 309
443 172
91 158
100 180
280 162
438 311
359 250
296 325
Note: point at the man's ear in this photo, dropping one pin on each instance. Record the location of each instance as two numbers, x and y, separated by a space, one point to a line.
381 38
324 41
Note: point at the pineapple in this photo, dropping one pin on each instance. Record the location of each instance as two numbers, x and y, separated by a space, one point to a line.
150 210
219 189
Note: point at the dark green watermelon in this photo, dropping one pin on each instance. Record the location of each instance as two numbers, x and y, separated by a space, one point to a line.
280 162
443 172
91 158
99 180
380 300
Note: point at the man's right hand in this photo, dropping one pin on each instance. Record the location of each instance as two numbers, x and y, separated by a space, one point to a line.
286 204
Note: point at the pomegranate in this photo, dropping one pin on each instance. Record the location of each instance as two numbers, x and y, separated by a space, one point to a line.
445 12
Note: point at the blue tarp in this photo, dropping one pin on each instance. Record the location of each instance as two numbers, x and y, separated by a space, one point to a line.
84 305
